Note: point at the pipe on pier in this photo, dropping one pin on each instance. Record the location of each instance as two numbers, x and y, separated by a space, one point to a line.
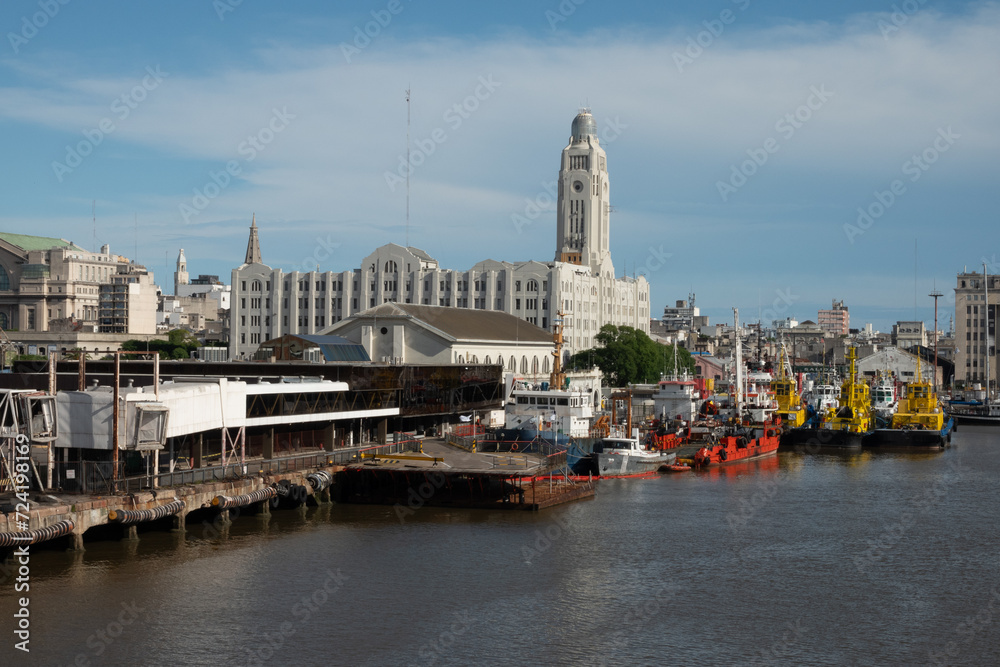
319 480
228 502
37 535
129 517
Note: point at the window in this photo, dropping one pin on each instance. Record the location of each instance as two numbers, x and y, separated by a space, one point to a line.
532 285
255 286
4 280
517 285
390 267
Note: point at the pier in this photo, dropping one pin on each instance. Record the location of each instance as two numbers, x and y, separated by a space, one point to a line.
409 474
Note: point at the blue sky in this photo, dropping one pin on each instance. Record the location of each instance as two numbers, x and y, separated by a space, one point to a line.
742 136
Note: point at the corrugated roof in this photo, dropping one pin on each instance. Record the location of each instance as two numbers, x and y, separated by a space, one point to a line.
334 348
464 323
26 242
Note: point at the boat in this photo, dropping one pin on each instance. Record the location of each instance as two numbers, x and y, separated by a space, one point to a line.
675 400
562 411
972 407
751 432
742 442
790 406
884 401
620 456
675 467
919 420
975 412
844 426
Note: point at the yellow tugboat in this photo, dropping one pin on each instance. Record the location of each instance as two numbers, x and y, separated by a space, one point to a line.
790 409
919 420
846 426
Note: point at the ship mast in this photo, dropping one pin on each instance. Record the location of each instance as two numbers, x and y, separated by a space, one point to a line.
557 378
739 363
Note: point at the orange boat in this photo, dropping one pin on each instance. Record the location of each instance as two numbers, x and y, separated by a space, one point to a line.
753 430
741 442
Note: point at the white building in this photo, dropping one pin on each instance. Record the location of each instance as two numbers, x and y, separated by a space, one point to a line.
417 334
128 303
580 283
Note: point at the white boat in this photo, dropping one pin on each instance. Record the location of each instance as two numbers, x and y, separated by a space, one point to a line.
677 399
536 409
884 399
619 456
823 396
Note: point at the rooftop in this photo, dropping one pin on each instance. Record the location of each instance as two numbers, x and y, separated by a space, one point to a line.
464 323
28 243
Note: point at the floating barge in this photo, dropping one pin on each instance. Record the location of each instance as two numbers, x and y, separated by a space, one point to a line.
413 488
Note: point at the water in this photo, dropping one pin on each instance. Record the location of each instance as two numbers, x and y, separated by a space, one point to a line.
868 559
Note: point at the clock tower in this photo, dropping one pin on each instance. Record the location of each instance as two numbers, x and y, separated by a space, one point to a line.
583 211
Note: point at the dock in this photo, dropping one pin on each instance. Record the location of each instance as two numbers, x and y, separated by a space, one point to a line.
406 475
447 476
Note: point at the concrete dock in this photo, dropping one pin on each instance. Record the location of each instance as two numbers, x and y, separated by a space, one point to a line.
435 474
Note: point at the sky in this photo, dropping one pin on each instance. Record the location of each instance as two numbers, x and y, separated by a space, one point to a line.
766 155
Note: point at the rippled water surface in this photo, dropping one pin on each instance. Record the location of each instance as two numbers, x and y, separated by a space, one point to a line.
868 559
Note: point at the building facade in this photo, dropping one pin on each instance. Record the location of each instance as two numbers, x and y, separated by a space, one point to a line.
976 299
128 303
579 286
418 334
48 282
836 321
908 334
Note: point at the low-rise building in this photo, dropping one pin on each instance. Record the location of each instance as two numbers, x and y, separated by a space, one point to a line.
417 334
907 334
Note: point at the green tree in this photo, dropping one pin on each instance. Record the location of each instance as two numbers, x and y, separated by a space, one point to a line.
628 356
178 345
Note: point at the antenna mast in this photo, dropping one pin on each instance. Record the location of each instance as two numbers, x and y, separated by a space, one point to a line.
408 167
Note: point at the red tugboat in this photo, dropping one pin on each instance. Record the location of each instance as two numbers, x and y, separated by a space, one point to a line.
751 433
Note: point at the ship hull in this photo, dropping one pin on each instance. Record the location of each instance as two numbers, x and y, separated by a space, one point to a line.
821 438
729 453
887 438
613 464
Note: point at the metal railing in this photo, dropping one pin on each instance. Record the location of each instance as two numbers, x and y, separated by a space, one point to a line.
95 477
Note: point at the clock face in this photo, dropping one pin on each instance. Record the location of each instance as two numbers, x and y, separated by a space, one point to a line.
578 186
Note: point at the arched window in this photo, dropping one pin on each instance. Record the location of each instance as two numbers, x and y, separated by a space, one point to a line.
534 365
461 359
512 364
524 364
390 266
532 285
487 360
3 321
475 358
255 286
4 280
545 365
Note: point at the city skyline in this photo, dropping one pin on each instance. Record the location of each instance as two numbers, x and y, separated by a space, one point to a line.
763 155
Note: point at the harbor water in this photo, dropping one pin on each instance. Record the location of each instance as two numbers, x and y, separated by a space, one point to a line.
802 559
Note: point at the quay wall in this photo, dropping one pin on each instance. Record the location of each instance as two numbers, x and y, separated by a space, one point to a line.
87 512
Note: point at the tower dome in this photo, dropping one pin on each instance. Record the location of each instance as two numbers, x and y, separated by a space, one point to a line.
584 126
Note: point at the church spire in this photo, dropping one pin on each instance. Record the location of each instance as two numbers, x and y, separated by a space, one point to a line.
253 246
